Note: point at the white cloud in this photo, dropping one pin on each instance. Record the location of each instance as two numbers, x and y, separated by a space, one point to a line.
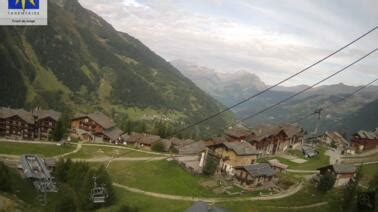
272 39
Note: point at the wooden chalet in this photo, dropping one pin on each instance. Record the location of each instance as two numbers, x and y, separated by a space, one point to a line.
365 140
232 154
21 124
271 139
96 127
255 174
343 172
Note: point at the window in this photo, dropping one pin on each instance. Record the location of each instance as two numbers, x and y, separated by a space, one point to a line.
86 120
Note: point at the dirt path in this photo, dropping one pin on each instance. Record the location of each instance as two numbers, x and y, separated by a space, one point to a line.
284 194
302 171
315 205
77 149
103 159
128 148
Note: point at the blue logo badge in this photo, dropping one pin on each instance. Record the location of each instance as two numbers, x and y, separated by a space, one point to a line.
23 4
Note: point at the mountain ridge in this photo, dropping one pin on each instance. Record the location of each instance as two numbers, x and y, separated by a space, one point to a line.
80 62
337 117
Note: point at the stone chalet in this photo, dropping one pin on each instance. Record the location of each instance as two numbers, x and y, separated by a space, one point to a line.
96 127
364 140
232 154
255 174
21 124
343 172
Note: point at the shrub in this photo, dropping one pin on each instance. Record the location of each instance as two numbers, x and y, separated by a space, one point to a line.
5 183
326 182
158 147
210 165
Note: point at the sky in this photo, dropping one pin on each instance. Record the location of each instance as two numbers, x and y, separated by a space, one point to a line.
270 38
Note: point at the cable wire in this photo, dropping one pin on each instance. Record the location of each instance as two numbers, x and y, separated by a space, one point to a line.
275 85
308 88
338 102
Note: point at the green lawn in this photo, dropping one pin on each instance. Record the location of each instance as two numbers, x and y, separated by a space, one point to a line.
159 176
98 152
145 203
311 163
47 150
307 196
368 172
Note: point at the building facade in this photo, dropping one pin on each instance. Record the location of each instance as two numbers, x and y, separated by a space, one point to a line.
96 127
21 124
232 154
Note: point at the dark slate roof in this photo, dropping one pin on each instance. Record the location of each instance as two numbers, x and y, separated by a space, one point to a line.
241 148
341 168
113 133
260 169
41 114
24 115
99 118
193 148
344 168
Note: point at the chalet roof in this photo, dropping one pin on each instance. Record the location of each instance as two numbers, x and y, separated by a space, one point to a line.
276 163
149 139
24 115
179 142
135 137
291 129
260 169
238 132
366 134
341 168
263 131
99 118
335 136
241 148
113 133
41 114
193 148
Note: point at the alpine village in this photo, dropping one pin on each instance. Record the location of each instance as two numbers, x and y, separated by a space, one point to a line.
92 120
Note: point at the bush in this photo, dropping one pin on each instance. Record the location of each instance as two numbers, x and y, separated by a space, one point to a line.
285 181
326 182
210 165
158 147
5 183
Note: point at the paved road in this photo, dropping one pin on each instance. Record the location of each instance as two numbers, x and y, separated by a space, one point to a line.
284 194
